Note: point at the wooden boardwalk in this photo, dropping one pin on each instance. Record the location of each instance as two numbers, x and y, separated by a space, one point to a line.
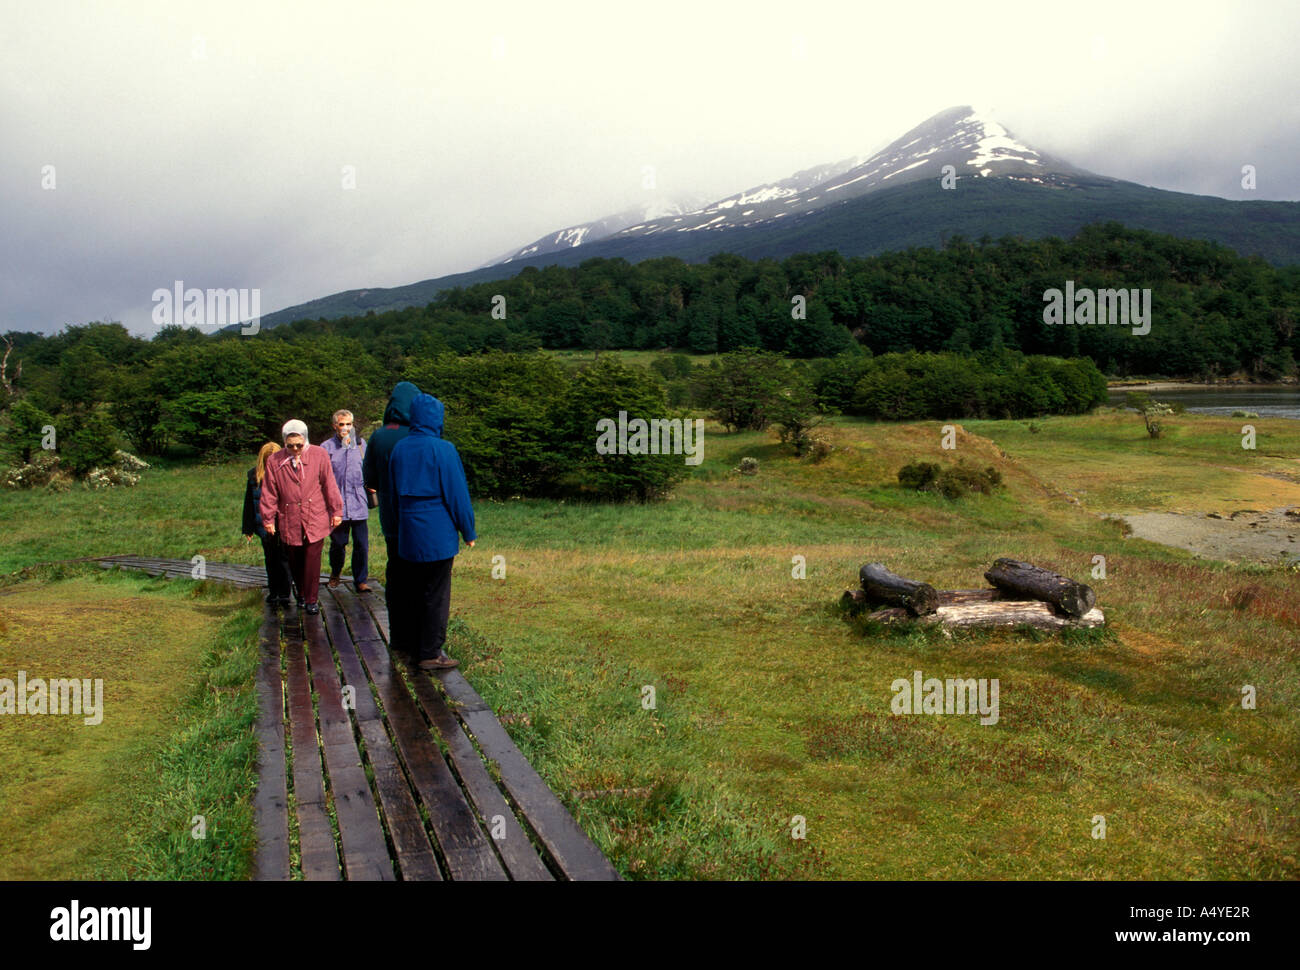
385 766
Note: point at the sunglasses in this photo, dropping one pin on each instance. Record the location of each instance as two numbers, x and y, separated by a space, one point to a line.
297 447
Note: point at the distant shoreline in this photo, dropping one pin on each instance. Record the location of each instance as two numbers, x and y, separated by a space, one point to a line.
1190 385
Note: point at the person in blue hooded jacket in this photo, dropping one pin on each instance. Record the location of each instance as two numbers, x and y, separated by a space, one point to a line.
431 512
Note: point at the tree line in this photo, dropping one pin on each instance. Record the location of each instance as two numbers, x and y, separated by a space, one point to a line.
1213 312
921 334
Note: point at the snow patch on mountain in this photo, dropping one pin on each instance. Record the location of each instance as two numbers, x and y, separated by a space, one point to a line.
964 137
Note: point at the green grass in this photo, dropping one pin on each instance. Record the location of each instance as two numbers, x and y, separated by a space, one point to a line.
769 705
119 799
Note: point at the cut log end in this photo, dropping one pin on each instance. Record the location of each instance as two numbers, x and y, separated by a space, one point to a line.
887 588
1026 581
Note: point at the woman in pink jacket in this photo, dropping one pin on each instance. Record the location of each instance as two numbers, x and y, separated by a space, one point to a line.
302 505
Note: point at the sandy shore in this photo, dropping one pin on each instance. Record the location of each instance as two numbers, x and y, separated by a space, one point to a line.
1258 535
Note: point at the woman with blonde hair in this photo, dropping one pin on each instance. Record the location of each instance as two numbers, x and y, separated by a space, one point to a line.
277 565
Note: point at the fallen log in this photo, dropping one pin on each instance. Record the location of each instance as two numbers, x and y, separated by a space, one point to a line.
882 586
1024 580
994 613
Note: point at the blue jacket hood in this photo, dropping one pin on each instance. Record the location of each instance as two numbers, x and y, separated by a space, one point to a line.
399 404
426 415
431 503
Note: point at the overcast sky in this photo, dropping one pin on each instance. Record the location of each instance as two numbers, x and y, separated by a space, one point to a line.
207 142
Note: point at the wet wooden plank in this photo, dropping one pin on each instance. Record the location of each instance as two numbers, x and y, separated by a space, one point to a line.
152 568
415 856
463 843
365 851
517 852
573 851
152 562
315 836
236 573
360 622
377 607
271 801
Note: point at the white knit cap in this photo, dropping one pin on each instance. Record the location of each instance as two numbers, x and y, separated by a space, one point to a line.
294 426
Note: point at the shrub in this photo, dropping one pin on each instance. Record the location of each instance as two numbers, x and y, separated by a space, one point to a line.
1150 410
748 466
671 366
952 482
918 474
527 425
34 474
796 414
599 393
963 479
818 449
122 470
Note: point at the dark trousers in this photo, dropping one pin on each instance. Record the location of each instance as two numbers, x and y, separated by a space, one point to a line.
430 589
360 549
304 564
278 579
401 624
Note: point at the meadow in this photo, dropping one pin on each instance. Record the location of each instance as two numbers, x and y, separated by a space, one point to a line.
771 710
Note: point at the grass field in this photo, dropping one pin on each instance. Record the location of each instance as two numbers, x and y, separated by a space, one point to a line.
121 798
769 705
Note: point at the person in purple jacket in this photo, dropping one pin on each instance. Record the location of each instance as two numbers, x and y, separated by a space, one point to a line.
347 452
432 509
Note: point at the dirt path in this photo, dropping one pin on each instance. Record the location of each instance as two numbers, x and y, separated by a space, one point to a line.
1270 536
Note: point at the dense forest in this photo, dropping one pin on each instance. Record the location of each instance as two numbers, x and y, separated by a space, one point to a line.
1213 312
919 334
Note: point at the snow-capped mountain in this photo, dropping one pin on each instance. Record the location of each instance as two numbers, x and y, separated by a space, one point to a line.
970 140
589 232
974 144
861 206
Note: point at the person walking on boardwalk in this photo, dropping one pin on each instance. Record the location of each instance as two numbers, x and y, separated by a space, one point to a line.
278 580
431 506
301 503
374 472
347 453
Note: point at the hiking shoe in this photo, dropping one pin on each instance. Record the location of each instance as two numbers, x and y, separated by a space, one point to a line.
334 581
363 587
443 662
313 609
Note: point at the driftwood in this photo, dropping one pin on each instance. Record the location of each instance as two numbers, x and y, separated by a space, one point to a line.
988 607
882 586
1026 581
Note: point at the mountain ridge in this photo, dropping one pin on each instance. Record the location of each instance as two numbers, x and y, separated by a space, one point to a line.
902 195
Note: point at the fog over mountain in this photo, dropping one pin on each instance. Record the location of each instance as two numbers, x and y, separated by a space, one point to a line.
306 149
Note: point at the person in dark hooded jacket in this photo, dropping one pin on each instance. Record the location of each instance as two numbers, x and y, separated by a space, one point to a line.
431 511
374 475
